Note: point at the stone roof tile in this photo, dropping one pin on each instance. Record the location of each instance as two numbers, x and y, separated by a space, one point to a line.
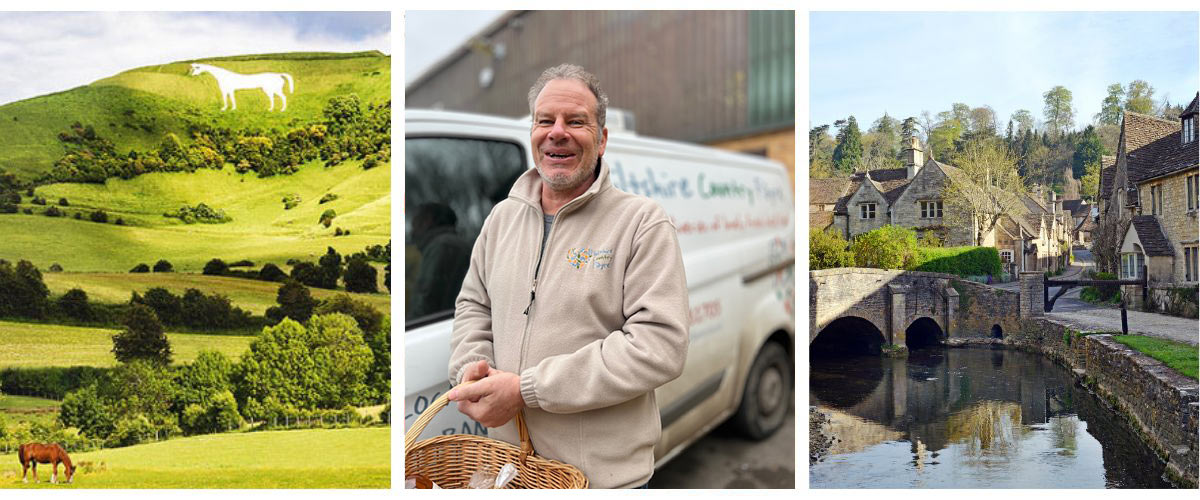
1154 242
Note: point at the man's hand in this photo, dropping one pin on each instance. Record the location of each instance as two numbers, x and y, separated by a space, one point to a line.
493 400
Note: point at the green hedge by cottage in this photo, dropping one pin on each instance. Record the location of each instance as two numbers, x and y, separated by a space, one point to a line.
962 261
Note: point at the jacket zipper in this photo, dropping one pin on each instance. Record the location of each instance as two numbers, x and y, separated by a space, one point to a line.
537 273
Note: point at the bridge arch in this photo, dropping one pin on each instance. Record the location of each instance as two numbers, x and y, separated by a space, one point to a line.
847 336
923 332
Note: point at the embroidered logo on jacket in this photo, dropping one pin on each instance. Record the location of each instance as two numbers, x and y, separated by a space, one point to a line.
578 258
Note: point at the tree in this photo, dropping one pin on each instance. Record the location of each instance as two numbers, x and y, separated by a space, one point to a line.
820 152
216 267
985 188
1110 109
327 217
849 151
889 247
945 134
22 291
307 273
1089 184
87 410
294 301
142 337
1140 97
166 305
1060 116
908 129
377 333
361 277
1024 121
140 268
162 266
827 249
331 268
74 304
1087 152
983 121
271 272
321 365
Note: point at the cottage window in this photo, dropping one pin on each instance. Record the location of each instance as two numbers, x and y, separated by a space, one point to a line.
1189 130
1190 262
1193 191
1131 265
1156 199
868 210
931 209
1006 256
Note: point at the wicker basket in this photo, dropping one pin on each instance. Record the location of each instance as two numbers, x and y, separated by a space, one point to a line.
450 460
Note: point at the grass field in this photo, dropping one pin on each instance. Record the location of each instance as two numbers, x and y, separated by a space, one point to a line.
15 409
32 345
252 295
261 230
135 109
1181 357
316 458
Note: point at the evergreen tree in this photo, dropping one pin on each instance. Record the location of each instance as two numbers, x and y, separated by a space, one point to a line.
908 129
849 151
1088 151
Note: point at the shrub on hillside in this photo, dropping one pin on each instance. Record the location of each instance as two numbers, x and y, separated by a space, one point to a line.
213 311
62 202
142 338
140 268
962 261
120 221
889 247
307 273
166 305
8 208
38 200
53 211
55 268
162 266
242 263
78 216
327 198
99 216
361 277
218 413
216 267
28 211
74 304
271 272
327 217
48 382
827 249
331 268
200 213
290 201
295 301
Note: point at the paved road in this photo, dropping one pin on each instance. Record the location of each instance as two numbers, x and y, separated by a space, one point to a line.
723 459
1091 317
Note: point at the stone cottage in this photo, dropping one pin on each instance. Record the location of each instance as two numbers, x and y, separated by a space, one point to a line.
1031 238
1150 200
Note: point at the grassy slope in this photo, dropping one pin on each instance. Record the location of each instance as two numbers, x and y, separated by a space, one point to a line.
261 231
318 458
136 108
251 295
9 402
1181 357
30 345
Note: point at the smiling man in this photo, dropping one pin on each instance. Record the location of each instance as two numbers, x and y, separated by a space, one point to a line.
575 306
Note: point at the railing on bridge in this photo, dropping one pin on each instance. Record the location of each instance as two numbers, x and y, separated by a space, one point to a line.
1069 284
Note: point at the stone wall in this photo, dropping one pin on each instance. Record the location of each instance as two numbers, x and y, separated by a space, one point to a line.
866 194
1176 301
877 295
1179 224
1161 404
981 308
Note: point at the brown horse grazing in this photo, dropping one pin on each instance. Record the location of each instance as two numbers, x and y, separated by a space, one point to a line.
32 454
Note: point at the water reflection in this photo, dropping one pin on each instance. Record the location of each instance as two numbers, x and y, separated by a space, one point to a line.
970 418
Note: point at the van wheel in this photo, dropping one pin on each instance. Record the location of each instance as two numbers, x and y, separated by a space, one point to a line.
768 394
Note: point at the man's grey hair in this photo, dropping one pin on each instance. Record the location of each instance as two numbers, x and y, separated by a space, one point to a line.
571 72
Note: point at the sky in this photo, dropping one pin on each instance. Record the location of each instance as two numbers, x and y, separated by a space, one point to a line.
431 35
45 52
866 63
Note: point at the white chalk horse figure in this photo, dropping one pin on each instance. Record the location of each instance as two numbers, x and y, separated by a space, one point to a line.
230 82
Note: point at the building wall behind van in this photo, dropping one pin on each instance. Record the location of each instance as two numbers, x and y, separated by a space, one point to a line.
698 76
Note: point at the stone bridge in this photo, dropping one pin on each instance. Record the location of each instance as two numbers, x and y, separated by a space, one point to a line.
861 309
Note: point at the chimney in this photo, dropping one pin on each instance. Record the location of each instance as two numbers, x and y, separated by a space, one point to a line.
914 158
1053 197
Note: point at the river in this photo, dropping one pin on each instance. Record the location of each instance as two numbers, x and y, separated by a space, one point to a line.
970 418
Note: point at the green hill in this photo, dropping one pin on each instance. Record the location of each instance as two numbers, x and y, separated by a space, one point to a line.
135 109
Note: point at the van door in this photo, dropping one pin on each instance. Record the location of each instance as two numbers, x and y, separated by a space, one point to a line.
451 185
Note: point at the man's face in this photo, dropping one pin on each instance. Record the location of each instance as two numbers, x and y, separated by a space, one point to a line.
566 136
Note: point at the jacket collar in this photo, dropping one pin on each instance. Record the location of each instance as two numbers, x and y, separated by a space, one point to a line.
528 188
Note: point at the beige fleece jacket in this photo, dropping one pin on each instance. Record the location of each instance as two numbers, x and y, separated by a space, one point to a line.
607 323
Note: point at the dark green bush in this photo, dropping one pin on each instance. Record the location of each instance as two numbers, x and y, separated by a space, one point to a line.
99 216
271 272
327 198
48 382
216 267
827 249
889 247
962 261
62 202
53 211
162 266
140 268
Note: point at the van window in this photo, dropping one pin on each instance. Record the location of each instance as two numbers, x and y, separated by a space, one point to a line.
450 187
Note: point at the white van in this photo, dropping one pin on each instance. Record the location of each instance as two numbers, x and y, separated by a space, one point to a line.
735 220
